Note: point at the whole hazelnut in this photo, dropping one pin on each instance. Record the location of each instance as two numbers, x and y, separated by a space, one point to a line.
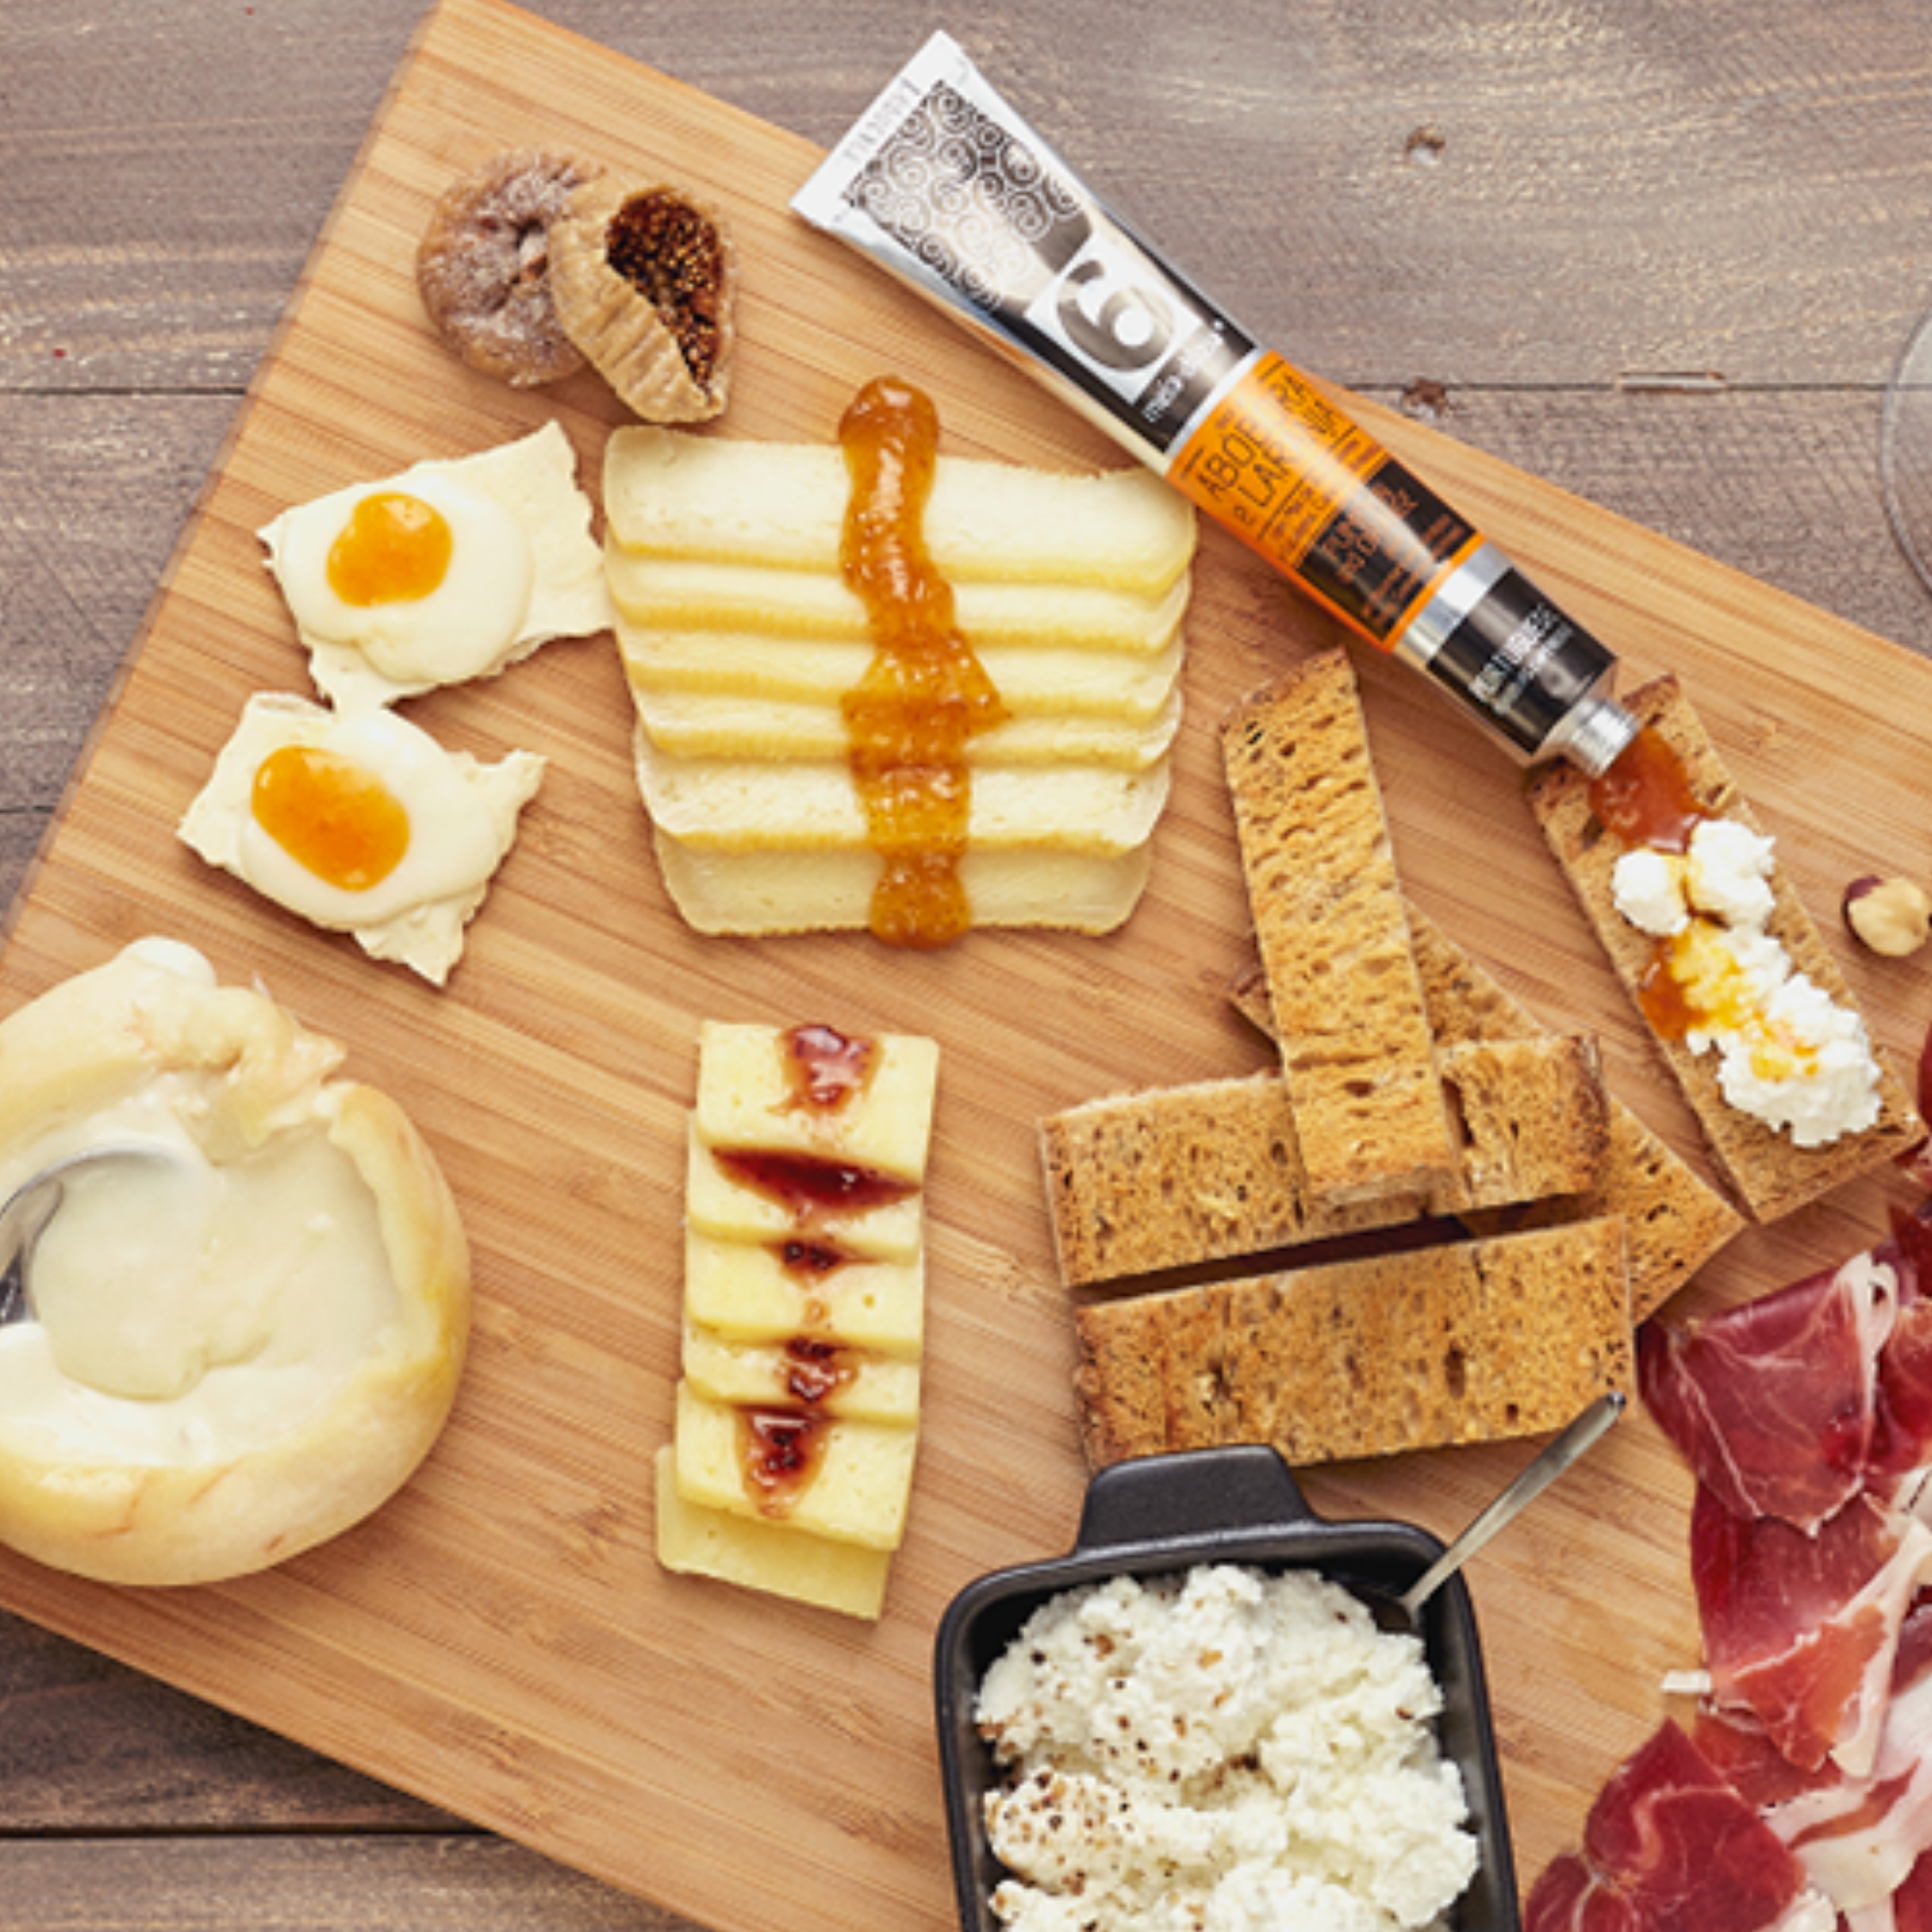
1891 916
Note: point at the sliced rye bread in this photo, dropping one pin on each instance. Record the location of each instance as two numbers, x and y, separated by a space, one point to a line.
1173 1177
1672 1222
1507 1336
1348 1015
1768 1172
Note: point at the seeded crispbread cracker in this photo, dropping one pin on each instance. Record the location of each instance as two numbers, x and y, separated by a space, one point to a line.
1770 1175
1348 1013
1507 1336
1672 1222
1172 1177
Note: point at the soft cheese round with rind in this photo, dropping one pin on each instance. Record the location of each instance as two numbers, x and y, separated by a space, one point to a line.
281 1430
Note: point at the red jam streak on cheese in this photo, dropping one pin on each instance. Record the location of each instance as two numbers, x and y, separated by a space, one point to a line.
782 1450
825 1068
816 1370
810 1261
809 1186
1645 796
925 694
782 1447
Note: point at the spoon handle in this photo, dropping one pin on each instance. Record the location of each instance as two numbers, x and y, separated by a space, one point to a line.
1537 1475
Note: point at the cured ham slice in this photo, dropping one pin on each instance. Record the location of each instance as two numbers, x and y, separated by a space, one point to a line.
1772 1404
1860 1840
1807 1418
1669 1846
1803 1628
1908 1909
1902 1433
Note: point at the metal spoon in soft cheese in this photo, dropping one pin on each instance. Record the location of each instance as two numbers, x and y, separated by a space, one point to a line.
26 1211
1536 1476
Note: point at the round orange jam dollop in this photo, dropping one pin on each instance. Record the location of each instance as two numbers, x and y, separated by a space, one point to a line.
330 815
395 548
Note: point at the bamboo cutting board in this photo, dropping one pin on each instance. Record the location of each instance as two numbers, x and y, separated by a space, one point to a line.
500 1639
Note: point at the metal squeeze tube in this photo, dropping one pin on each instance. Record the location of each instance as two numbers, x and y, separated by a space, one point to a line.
944 185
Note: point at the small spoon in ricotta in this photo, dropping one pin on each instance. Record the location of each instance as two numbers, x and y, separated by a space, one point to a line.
24 1213
1535 1476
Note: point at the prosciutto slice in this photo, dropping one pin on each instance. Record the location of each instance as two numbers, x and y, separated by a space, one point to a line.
1801 1628
1772 1404
1901 1444
1860 1840
1670 1846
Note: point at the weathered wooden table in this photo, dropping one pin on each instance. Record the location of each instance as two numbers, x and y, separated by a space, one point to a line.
1663 255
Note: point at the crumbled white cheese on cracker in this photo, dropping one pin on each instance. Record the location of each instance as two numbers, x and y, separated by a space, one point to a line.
1648 886
1225 1750
1729 875
1788 1054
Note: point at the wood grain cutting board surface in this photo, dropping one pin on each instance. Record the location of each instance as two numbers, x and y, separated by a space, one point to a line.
499 1638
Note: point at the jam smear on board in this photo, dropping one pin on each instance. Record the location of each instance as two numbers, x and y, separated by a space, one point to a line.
925 694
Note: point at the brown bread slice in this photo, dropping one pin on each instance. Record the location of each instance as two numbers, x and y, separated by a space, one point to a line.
1768 1172
1672 1222
1534 1119
1507 1336
1124 1361
1172 1177
1354 1037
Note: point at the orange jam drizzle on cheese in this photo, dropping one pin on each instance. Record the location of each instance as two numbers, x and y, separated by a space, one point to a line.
925 694
395 548
330 815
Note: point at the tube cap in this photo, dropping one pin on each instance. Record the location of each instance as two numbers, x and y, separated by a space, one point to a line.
1595 733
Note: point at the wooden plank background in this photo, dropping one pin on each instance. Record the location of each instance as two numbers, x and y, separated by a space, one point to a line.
1635 199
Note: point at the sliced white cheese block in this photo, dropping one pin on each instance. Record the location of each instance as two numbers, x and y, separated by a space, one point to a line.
765 893
740 804
679 594
1032 681
671 493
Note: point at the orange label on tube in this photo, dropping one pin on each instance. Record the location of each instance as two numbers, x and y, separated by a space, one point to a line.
1307 488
